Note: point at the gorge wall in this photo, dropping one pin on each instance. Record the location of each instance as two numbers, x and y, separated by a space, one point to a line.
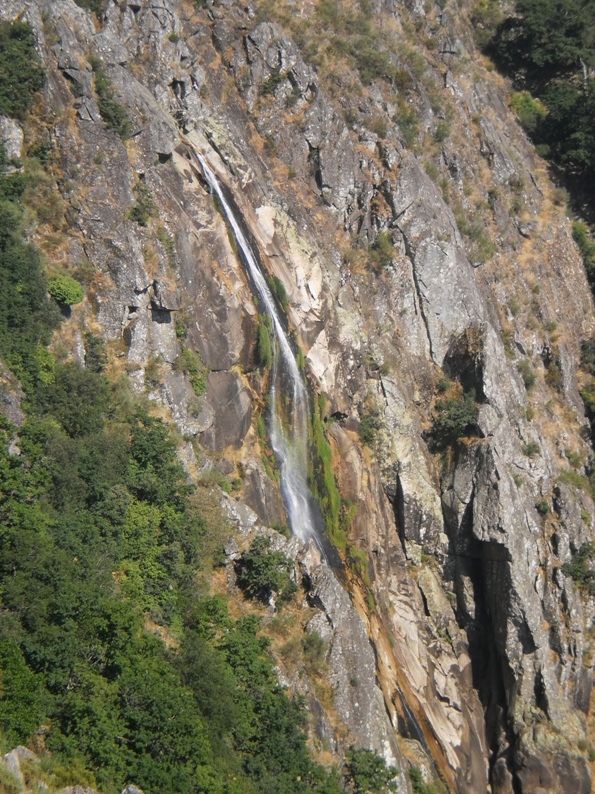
424 253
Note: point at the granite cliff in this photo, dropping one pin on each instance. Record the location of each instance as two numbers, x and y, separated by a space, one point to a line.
424 254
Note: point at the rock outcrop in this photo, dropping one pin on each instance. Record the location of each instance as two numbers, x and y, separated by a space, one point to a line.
414 267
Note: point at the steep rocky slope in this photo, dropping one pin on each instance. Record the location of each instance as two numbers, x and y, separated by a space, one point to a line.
424 254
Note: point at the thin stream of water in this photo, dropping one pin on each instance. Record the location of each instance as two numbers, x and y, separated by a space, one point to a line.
288 426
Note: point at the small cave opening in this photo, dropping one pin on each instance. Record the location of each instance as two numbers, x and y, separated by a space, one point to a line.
315 167
159 315
179 88
464 362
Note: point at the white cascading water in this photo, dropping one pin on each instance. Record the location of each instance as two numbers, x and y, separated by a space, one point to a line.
288 399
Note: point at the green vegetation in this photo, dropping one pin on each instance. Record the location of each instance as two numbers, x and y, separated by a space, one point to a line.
369 773
264 347
588 391
190 364
95 355
408 122
315 649
323 478
66 290
357 559
548 46
419 787
526 374
530 111
553 376
370 425
27 317
21 73
382 251
145 206
453 418
100 533
580 568
270 86
586 245
112 112
97 6
103 540
263 573
531 449
336 32
278 289
168 244
570 477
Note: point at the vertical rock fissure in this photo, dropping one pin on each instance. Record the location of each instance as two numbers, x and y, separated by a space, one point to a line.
472 560
411 256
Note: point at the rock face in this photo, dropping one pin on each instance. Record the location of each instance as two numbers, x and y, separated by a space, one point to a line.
417 266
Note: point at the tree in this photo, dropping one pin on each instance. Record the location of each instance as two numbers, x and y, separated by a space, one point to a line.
369 773
21 73
262 573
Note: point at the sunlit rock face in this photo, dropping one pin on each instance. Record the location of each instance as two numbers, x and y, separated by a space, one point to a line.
414 231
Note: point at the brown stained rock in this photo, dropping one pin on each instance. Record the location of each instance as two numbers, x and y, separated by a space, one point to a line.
358 701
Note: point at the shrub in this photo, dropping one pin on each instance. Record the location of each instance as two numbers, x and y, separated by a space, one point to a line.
580 568
21 73
531 449
370 424
95 355
66 290
112 112
323 480
262 573
272 83
441 132
553 376
408 124
96 6
588 356
570 477
453 418
378 125
314 648
190 364
527 374
383 251
368 773
145 206
417 783
530 111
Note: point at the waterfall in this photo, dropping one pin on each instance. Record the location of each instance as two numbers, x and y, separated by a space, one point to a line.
288 421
